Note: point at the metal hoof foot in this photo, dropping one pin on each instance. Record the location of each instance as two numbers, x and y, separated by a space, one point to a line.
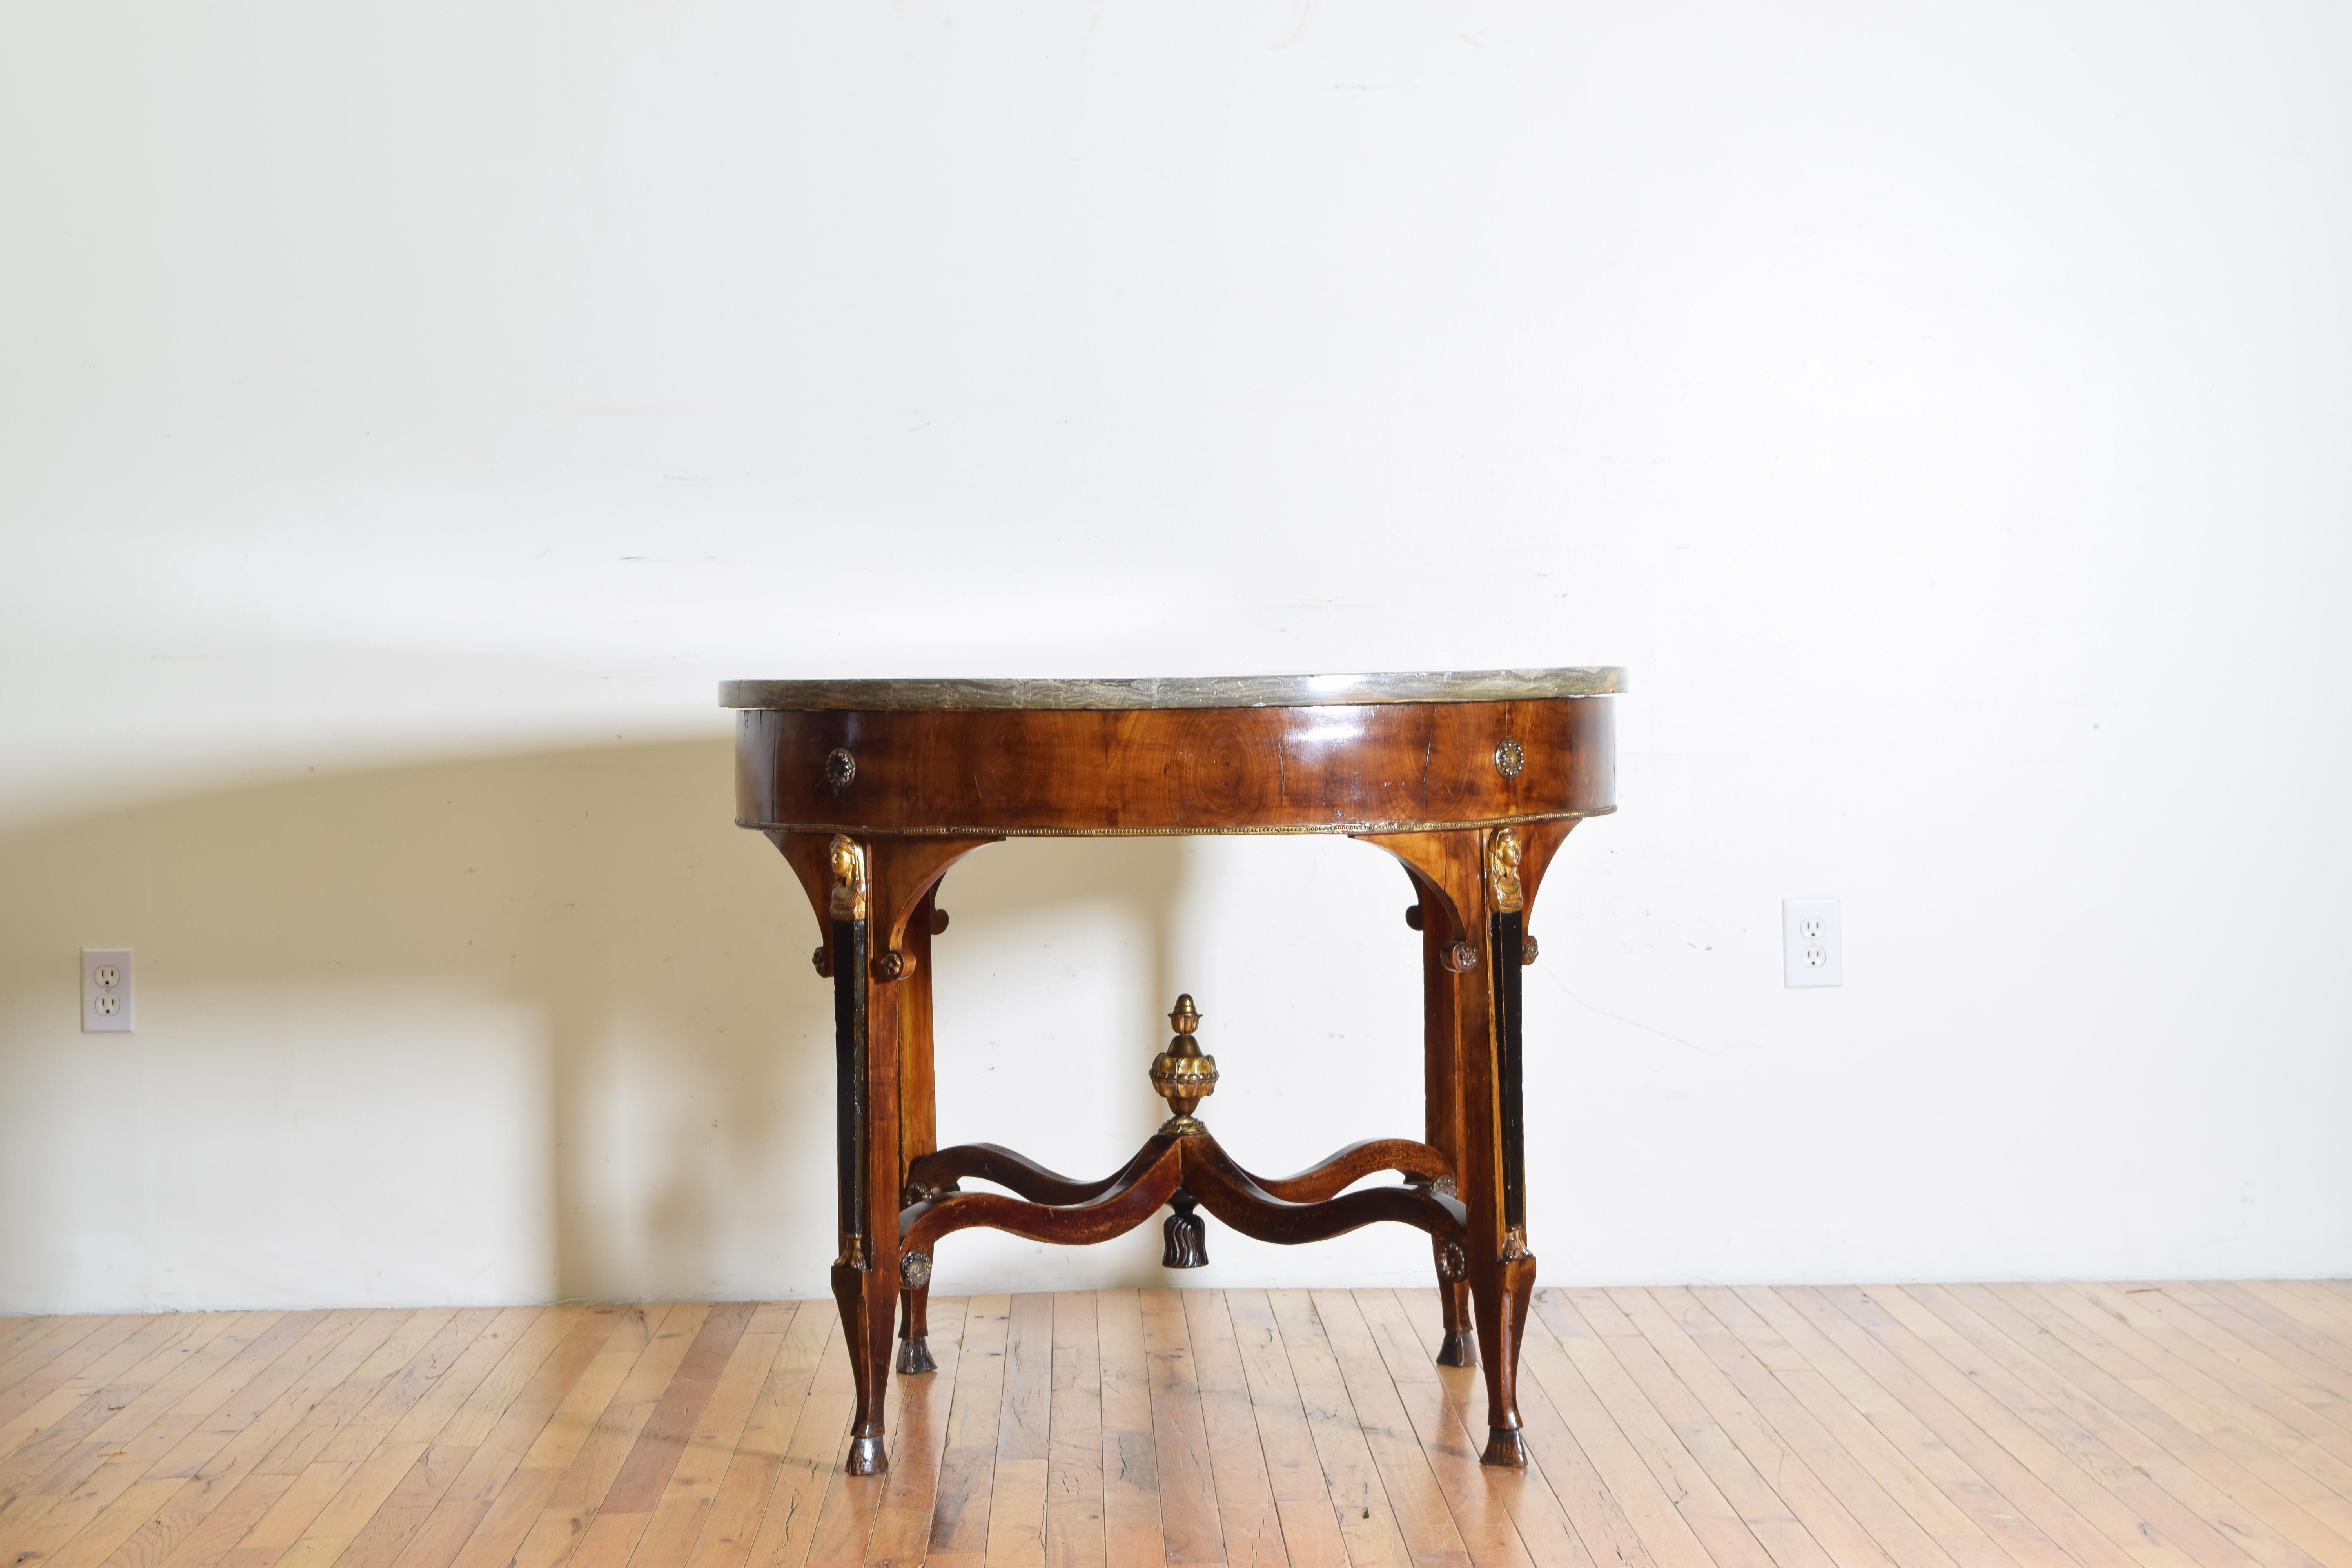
1459 1348
1505 1447
867 1457
915 1356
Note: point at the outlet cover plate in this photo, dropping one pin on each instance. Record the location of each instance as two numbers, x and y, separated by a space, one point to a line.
1812 943
107 1009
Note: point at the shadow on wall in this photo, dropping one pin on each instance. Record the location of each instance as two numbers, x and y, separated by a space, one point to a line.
505 1028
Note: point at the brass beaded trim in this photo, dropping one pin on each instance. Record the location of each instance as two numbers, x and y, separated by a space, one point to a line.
1353 829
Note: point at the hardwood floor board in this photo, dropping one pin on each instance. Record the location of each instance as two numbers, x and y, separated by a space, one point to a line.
2073 1468
788 1527
2316 1314
373 1424
95 1403
1767 1516
812 1459
1844 1475
902 1525
501 1529
661 1441
61 1346
2254 1307
554 1371
1016 1517
175 1509
1603 1524
2221 1383
22 1333
2214 1340
1328 1344
478 1415
387 1531
453 1419
1371 1533
216 1460
2313 1478
1237 1457
319 1359
120 1452
115 1523
441 1406
699 1459
2328 1310
285 1521
1075 1529
60 1378
669 1535
1908 1440
2111 1425
2159 1510
960 1509
1666 1320
2250 1512
1131 1522
2325 1383
597 1454
2221 1481
1194 1529
207 1536
1543 1519
288 1450
1024 1437
1481 1513
1399 1343
366 1486
2011 1480
727 1414
1294 1471
1682 1515
1850 1408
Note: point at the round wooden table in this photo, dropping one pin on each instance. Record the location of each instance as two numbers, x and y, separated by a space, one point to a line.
872 789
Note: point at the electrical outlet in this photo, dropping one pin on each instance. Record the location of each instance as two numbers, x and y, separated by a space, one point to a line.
106 994
1812 943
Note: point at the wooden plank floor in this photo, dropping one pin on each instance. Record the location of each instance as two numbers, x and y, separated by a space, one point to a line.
1927 1426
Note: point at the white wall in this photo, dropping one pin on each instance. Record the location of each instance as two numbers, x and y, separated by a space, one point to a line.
407 412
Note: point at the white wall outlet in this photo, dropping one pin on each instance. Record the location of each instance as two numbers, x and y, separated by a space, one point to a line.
106 995
1812 943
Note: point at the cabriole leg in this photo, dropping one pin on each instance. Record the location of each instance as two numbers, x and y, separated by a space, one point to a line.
866 1116
1472 914
867 894
918 1127
1501 1292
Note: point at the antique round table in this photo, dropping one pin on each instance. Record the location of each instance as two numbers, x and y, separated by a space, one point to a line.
872 789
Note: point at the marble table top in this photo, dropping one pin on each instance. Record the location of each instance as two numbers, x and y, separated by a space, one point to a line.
1204 691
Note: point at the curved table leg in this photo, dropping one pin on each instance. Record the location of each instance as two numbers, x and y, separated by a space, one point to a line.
918 1118
1472 884
866 892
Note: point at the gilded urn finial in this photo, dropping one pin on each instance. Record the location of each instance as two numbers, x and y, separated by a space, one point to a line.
1182 1075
